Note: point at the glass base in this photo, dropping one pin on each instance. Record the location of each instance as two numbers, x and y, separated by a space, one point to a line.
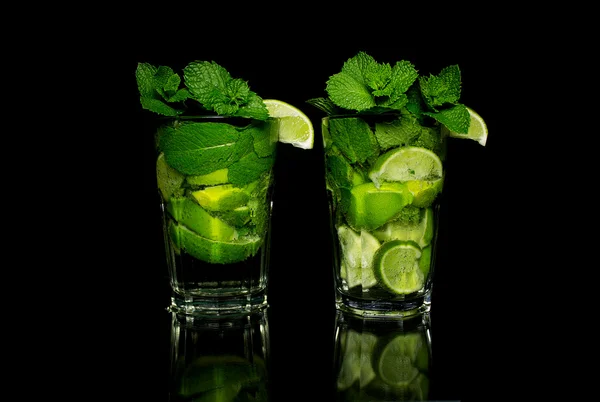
218 306
383 308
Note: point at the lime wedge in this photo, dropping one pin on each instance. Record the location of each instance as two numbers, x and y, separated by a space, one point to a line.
368 246
396 266
406 163
294 126
421 233
192 215
167 178
477 129
221 198
210 179
424 191
371 207
212 251
350 245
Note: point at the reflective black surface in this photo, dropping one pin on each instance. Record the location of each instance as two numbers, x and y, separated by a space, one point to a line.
301 314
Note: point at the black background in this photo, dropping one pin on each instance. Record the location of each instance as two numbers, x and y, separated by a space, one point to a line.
301 310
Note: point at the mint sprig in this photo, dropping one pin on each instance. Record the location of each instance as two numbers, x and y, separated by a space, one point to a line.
162 91
366 86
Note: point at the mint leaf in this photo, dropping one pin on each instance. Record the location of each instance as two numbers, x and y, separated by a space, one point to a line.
364 84
265 138
159 86
354 138
456 118
399 132
248 169
212 86
443 88
199 148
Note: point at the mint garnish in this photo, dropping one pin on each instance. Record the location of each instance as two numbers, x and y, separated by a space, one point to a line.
368 87
162 91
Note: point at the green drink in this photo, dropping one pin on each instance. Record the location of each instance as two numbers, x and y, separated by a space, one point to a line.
385 137
216 144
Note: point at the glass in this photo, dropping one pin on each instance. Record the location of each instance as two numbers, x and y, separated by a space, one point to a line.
215 187
216 358
382 358
384 231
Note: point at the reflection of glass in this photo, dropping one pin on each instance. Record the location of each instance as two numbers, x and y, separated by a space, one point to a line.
382 359
219 359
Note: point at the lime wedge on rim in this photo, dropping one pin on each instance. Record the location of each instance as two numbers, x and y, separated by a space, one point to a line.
396 266
405 164
477 129
294 126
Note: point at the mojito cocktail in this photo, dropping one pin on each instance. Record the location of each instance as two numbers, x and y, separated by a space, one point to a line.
216 144
384 140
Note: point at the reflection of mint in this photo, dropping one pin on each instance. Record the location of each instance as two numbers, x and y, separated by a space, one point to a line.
368 87
207 83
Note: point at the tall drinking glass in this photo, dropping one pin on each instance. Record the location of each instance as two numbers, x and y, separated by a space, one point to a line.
216 143
216 220
384 138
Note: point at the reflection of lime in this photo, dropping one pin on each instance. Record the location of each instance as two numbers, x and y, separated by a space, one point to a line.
218 378
396 266
214 251
406 163
357 353
395 360
294 126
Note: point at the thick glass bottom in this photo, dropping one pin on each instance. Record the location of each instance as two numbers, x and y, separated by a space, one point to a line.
383 308
218 306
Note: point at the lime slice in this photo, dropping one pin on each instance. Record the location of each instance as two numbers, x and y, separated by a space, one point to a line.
406 163
167 178
221 198
396 266
294 126
371 207
477 129
216 252
421 232
395 361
